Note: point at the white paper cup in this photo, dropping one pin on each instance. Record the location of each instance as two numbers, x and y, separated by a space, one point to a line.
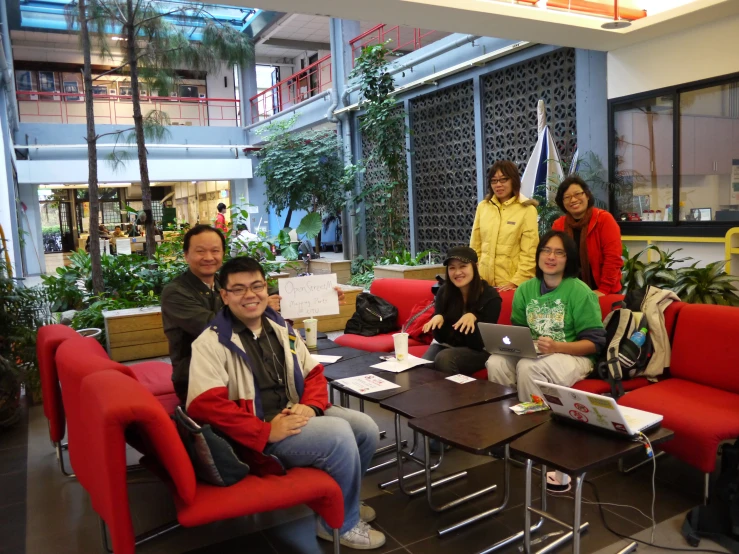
401 346
311 332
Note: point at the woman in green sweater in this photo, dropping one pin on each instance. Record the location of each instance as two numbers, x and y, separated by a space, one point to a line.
564 317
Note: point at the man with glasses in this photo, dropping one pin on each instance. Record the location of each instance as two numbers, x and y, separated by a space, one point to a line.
252 378
564 317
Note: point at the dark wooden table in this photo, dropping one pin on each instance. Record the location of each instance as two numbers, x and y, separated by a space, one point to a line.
575 451
407 380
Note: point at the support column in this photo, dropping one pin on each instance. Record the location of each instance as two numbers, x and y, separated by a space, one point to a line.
8 211
592 109
33 247
409 173
477 93
247 90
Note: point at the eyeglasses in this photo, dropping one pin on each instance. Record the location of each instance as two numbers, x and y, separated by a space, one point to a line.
501 180
241 290
573 196
558 253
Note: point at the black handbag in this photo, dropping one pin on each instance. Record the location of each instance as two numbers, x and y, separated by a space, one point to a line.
374 316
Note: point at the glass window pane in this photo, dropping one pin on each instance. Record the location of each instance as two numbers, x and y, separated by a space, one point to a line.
643 159
709 154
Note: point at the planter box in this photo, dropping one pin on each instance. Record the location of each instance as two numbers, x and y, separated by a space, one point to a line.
135 334
426 272
323 266
346 310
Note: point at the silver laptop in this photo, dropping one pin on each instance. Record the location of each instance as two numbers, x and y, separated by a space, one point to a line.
509 340
596 410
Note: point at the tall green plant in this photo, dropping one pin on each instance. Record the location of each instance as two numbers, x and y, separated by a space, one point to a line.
382 125
638 274
706 285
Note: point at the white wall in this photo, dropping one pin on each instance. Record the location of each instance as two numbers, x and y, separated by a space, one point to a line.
214 82
699 53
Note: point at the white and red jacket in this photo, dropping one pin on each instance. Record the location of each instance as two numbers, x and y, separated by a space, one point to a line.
222 391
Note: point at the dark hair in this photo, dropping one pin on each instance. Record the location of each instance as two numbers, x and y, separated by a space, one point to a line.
572 267
450 297
510 170
242 264
221 206
564 185
197 230
242 227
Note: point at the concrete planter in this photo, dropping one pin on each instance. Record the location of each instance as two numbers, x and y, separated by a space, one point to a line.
324 266
426 272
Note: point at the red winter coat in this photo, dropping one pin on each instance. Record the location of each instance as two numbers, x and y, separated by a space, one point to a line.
604 250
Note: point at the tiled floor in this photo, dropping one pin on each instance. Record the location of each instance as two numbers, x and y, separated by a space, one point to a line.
48 513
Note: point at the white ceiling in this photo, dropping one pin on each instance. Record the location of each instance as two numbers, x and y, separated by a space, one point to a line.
503 19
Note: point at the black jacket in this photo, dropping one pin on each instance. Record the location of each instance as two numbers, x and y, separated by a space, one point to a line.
188 305
487 310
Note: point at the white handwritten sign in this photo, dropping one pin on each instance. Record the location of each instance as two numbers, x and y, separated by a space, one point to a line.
308 296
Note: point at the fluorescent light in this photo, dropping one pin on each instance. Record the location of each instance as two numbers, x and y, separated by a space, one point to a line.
84 186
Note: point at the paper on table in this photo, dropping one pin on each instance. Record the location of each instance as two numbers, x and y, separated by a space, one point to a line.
308 296
367 384
397 367
324 359
460 378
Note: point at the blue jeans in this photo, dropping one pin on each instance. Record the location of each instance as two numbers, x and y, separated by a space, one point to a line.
341 443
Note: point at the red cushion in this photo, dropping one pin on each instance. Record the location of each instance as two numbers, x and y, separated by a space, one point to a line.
700 416
418 351
47 342
378 343
155 376
505 309
702 350
606 303
482 374
598 386
404 294
422 314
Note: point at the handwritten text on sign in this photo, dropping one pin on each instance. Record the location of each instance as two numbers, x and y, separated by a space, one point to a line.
308 296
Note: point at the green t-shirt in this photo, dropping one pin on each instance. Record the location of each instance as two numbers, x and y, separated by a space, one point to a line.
561 314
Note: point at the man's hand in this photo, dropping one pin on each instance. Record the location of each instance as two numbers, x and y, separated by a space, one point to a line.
274 302
434 323
466 324
301 410
285 425
509 286
547 345
340 294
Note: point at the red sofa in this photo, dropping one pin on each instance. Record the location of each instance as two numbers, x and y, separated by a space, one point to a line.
407 294
155 376
111 407
700 399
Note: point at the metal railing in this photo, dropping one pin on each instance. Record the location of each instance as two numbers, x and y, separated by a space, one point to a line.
65 107
300 86
403 39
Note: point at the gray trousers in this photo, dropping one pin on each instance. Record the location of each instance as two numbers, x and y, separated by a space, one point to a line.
560 369
456 359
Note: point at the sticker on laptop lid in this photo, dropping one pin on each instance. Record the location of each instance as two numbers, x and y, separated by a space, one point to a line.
552 399
584 409
619 427
579 416
600 402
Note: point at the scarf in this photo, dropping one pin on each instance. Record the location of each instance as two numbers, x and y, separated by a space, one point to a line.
582 224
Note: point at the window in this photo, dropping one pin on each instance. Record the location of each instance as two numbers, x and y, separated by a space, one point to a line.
709 154
643 161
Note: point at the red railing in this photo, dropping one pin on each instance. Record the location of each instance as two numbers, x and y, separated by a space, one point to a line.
65 107
607 9
403 39
300 86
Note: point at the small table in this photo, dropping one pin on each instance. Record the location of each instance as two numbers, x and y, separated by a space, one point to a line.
574 451
478 429
438 397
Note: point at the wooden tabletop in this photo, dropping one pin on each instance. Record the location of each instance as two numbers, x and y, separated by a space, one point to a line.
352 367
410 379
444 395
477 429
575 450
346 352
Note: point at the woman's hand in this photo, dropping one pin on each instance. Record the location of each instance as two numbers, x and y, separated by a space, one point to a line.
434 323
509 286
466 324
547 345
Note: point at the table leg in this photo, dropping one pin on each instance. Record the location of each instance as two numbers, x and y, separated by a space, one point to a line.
578 514
527 505
629 548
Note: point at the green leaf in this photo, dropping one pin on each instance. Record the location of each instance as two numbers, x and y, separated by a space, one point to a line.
310 225
290 252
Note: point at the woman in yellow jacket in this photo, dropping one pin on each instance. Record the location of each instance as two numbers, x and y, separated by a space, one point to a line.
505 233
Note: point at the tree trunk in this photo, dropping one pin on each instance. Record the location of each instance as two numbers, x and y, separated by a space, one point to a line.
288 218
98 285
138 122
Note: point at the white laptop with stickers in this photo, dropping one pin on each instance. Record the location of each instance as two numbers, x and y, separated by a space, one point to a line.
599 411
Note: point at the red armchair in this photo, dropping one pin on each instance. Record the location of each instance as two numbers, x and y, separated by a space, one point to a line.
155 376
113 403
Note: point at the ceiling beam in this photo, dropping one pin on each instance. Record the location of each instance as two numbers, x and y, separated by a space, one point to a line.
296 44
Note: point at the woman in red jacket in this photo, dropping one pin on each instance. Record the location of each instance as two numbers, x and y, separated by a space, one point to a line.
600 244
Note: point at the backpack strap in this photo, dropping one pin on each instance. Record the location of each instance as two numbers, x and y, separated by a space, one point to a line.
612 370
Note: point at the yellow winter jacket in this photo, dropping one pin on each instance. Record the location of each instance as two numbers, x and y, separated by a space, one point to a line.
505 237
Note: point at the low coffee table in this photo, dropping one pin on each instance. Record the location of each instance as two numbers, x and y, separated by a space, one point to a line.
477 429
574 451
438 397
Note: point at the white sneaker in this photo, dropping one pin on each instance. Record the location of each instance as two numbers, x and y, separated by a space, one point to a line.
366 513
359 537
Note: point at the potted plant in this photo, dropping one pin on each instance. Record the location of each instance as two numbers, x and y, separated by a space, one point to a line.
706 285
637 274
401 264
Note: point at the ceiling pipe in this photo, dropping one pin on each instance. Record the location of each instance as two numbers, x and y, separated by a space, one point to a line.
617 22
